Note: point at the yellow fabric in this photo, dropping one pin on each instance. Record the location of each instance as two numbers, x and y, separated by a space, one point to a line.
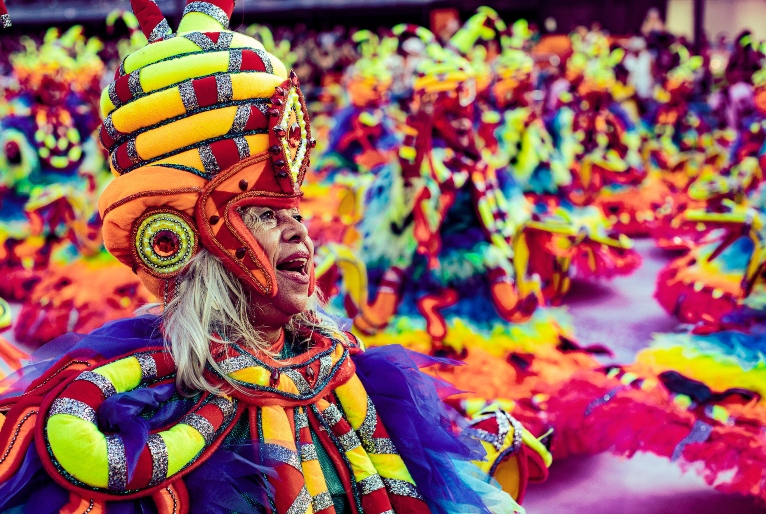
391 466
508 476
184 132
199 21
148 110
124 374
71 438
254 85
361 465
276 427
353 397
183 443
314 478
252 375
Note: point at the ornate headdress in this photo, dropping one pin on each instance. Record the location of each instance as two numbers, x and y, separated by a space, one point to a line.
199 124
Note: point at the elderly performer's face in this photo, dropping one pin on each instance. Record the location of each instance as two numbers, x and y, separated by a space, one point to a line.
286 242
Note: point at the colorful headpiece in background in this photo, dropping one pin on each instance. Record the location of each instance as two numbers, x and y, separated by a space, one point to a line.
199 124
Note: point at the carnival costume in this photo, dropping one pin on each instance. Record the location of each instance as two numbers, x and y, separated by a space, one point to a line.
199 124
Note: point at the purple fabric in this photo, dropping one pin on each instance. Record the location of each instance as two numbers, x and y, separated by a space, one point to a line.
111 340
32 487
409 404
121 414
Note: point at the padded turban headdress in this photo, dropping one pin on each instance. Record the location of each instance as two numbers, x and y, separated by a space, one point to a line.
199 124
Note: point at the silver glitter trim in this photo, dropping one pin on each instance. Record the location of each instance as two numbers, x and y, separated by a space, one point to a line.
132 152
104 384
367 428
148 366
121 68
134 83
332 415
201 40
266 61
201 425
370 484
301 420
118 465
282 454
240 119
109 127
188 96
115 164
211 10
300 382
401 488
208 159
349 441
5 21
74 408
380 446
235 60
112 91
160 31
235 364
389 511
301 503
325 366
228 407
159 452
308 452
224 40
224 87
322 501
243 149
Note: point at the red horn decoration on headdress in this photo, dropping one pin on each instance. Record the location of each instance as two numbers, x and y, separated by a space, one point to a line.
220 10
5 18
153 23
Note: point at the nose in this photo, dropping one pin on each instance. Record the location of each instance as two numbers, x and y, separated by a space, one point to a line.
294 231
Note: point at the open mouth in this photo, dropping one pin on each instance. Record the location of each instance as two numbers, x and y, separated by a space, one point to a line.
296 267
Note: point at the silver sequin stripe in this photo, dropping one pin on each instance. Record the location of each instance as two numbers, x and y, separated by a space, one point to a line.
243 149
401 488
159 452
308 452
380 446
207 44
301 503
233 364
322 501
370 484
224 88
209 162
148 366
134 83
201 425
160 31
188 96
5 21
104 384
301 420
281 454
74 408
325 366
367 429
118 465
300 382
349 441
332 415
240 118
211 10
228 407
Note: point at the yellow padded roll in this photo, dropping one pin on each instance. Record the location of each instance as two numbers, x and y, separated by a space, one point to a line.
157 52
124 374
353 397
252 375
189 158
70 438
200 22
258 143
361 465
184 132
276 427
170 72
391 466
148 110
254 85
314 478
183 443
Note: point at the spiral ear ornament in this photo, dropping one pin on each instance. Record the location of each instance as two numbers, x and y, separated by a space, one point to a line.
164 242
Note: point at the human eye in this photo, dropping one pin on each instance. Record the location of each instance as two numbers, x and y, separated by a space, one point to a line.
298 217
267 216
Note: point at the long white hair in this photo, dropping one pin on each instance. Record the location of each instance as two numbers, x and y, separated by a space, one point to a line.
211 304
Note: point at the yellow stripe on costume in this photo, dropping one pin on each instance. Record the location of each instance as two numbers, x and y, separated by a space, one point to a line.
276 427
70 438
183 443
148 110
124 374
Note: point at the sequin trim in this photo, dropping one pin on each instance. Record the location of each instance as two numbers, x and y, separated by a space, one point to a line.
201 425
308 452
5 20
349 441
325 366
228 407
401 488
104 384
109 127
224 88
370 484
159 452
301 503
240 118
300 382
235 61
112 92
211 10
130 147
134 83
332 415
148 366
118 465
301 420
233 364
322 501
380 446
208 159
367 428
188 95
243 149
266 61
161 31
74 408
282 454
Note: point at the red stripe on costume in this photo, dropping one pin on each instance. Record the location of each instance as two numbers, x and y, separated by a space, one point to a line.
225 152
86 392
206 91
256 120
226 5
408 504
121 154
143 472
377 502
16 436
122 89
251 61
